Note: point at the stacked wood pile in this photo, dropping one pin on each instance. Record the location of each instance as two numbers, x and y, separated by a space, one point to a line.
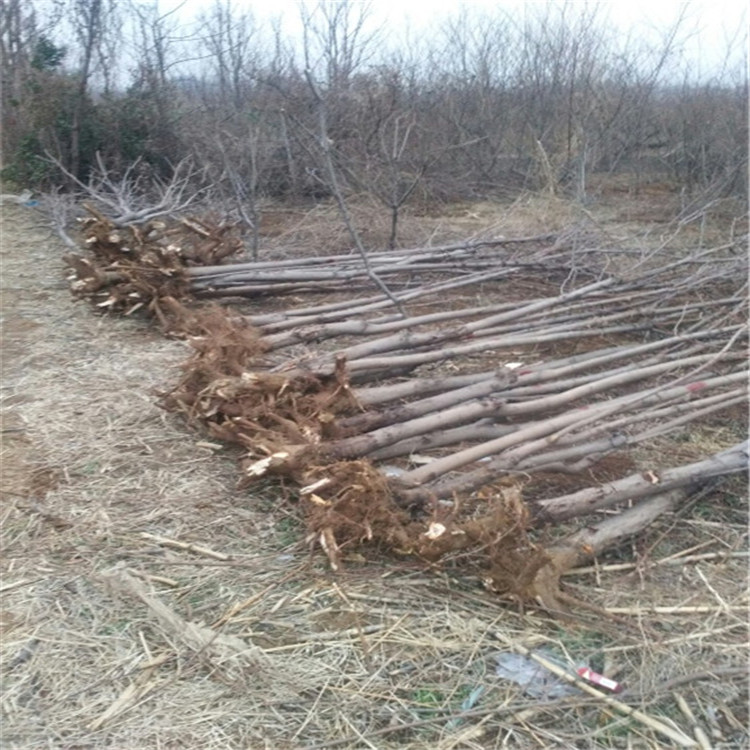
426 433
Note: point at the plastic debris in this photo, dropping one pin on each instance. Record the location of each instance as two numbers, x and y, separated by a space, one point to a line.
468 703
535 680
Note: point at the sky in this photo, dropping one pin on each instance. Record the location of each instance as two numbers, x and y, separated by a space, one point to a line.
707 30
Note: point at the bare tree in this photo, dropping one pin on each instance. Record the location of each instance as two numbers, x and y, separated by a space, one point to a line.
242 165
18 30
336 40
161 47
335 34
88 18
494 103
229 38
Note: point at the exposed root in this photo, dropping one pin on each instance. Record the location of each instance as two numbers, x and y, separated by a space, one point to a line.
348 503
138 267
279 420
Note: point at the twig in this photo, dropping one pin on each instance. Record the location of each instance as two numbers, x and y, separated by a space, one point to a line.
187 546
693 610
235 609
120 197
698 732
713 591
705 674
471 713
195 636
154 579
330 635
672 560
141 686
17 585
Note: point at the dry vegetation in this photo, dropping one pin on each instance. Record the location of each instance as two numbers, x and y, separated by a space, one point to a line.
148 603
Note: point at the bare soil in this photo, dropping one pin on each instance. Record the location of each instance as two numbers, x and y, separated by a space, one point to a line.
146 603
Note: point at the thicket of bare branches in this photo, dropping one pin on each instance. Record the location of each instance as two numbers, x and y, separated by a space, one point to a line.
489 105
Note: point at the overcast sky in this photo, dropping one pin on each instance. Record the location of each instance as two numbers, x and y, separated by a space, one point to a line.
709 26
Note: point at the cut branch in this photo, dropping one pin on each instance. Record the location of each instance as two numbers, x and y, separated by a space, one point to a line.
636 486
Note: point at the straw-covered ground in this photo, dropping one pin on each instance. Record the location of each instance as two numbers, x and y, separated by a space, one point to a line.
146 603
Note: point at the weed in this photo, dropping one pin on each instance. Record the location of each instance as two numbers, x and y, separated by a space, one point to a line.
428 701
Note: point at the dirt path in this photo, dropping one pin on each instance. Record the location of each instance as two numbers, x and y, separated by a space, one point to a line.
89 463
20 305
67 375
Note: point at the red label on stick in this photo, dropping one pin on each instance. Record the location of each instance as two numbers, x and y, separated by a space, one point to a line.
597 679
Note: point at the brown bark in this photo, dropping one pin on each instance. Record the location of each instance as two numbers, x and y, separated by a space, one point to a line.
637 486
361 445
361 423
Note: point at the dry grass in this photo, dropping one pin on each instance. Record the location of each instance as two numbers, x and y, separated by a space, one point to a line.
234 637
